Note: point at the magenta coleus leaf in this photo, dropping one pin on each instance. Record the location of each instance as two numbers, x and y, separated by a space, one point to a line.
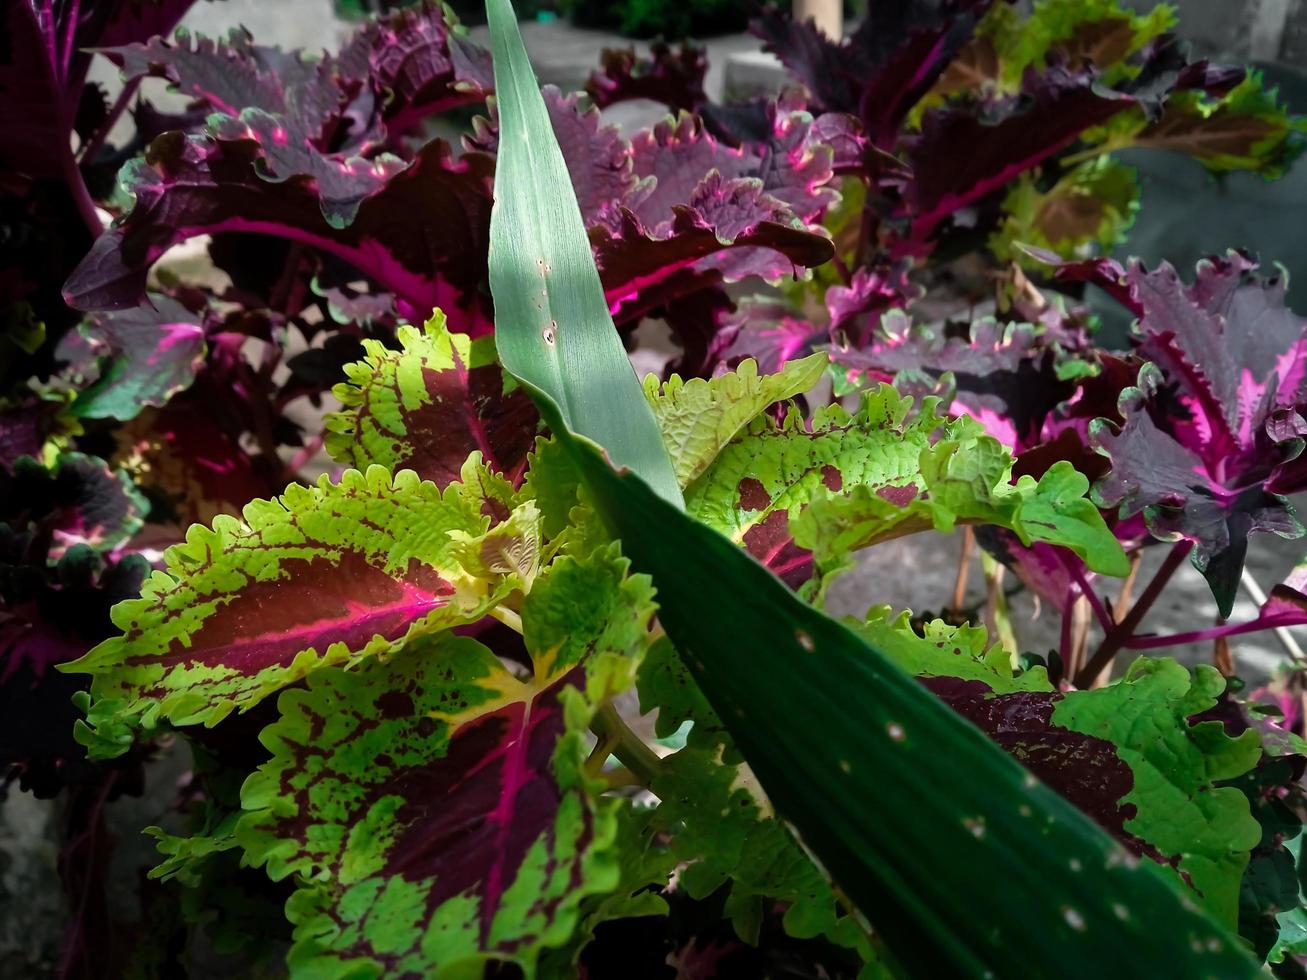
1212 436
437 805
430 405
324 575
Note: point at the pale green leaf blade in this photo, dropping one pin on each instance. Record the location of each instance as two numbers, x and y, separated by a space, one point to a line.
700 416
552 324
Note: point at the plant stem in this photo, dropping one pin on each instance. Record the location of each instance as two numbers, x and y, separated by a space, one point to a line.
81 196
1072 564
1127 589
1091 153
964 570
508 617
630 748
1121 634
92 146
1287 639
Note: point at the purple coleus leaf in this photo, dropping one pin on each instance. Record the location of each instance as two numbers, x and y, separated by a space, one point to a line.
421 62
26 423
673 214
636 261
139 358
962 154
598 159
770 333
404 234
235 74
675 211
1212 435
76 501
702 212
1004 373
673 77
884 67
856 309
391 74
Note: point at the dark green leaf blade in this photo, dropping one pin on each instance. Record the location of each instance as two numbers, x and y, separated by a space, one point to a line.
552 324
854 753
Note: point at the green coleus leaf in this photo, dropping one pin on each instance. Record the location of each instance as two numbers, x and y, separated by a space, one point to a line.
1292 922
552 322
698 417
436 806
134 358
430 404
964 487
1079 33
944 650
723 829
1141 769
844 482
1247 129
1181 810
666 686
321 575
644 868
763 478
1093 204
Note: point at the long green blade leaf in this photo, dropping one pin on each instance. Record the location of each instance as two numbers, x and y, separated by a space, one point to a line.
964 863
552 324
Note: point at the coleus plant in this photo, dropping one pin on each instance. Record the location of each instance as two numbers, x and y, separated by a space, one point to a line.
401 682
